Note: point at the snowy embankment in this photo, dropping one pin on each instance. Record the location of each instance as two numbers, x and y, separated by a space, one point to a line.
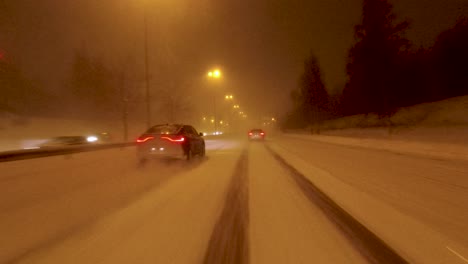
28 132
413 236
438 129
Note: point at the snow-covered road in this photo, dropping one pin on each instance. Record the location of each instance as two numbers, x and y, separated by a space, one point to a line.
247 202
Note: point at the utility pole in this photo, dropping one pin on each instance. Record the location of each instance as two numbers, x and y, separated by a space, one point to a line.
215 119
148 96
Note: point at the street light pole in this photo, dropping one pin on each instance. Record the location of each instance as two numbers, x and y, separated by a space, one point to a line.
215 119
215 74
148 100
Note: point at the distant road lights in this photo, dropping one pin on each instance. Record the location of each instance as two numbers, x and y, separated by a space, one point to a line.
212 121
229 97
204 118
236 106
221 122
273 119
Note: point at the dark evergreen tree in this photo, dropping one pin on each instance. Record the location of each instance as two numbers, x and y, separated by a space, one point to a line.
450 61
18 94
93 86
311 98
373 61
13 87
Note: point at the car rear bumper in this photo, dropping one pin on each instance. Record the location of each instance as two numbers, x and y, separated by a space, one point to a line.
153 152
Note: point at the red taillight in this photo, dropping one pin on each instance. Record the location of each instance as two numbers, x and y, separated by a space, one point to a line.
143 139
262 134
179 139
250 133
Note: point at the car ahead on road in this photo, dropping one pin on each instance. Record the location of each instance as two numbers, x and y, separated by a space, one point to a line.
170 141
256 134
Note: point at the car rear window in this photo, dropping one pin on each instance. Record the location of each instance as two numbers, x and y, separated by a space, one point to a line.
164 129
256 130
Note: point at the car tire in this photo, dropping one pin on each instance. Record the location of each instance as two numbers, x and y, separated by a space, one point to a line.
189 154
203 151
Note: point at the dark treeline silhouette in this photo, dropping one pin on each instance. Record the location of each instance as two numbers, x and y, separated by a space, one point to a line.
91 84
385 72
448 61
98 90
374 61
19 95
311 101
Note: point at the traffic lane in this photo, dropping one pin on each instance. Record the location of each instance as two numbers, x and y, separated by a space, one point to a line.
229 238
432 191
23 183
222 142
44 200
169 224
285 227
30 181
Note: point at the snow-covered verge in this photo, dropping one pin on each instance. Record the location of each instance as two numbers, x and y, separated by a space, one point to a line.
406 146
414 240
438 129
18 133
449 112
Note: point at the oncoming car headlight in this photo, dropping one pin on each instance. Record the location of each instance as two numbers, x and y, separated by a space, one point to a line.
92 139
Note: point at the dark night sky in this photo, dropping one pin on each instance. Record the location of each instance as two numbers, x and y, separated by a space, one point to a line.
260 45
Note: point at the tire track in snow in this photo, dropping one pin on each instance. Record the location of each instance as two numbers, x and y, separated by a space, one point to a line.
369 245
229 242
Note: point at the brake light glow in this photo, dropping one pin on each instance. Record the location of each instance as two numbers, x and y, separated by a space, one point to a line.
144 139
177 139
250 133
262 134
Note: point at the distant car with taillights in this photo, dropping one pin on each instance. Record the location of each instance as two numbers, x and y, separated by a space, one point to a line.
170 141
256 134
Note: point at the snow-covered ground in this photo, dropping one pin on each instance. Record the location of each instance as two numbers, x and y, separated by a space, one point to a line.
449 112
100 207
438 129
93 206
284 228
416 144
414 202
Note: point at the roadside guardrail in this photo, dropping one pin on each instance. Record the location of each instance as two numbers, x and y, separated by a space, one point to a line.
57 151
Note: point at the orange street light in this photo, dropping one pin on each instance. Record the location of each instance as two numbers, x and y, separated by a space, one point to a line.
216 74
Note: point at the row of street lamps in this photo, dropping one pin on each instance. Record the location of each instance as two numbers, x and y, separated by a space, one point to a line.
213 75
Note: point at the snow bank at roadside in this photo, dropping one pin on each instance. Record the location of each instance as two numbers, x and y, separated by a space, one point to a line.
449 112
429 149
414 240
438 130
